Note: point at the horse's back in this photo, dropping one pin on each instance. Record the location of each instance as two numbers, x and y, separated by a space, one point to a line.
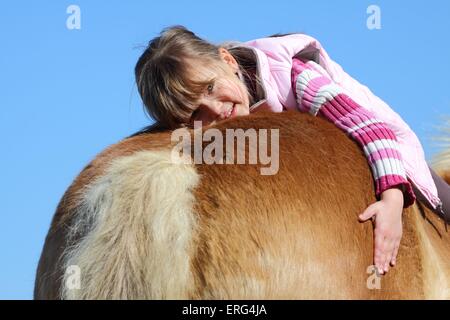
139 225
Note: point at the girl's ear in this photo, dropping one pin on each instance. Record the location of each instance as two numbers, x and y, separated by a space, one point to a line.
228 58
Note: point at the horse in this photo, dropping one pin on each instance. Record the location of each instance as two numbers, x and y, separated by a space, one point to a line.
135 224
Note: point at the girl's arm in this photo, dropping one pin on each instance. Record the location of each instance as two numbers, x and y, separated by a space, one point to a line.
317 94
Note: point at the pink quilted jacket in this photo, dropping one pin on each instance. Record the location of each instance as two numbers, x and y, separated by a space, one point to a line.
274 62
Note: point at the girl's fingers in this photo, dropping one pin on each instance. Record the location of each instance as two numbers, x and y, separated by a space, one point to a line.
380 252
377 252
394 255
389 253
385 250
367 214
385 255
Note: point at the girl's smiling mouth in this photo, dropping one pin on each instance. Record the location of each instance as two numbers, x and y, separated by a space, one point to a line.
233 111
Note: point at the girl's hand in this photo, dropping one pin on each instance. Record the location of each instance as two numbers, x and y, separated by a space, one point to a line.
387 216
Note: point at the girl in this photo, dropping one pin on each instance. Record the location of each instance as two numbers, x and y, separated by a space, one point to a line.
182 78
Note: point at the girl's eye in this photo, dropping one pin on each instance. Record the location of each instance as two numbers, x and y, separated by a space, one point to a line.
210 88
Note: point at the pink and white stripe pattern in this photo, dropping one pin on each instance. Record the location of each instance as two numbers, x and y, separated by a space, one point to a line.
317 94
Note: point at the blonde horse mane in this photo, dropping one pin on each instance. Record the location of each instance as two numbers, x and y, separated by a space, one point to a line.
441 161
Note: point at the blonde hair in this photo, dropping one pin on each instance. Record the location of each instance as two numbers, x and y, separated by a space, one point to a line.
162 74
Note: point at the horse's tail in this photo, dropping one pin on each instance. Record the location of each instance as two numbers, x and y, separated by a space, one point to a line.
441 161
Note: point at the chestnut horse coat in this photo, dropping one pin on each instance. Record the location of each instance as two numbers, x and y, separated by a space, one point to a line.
139 226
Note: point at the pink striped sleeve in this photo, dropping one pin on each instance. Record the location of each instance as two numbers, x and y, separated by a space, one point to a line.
317 94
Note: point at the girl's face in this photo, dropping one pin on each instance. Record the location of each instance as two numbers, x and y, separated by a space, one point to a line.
225 97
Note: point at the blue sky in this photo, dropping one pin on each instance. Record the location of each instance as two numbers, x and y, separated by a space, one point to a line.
67 94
